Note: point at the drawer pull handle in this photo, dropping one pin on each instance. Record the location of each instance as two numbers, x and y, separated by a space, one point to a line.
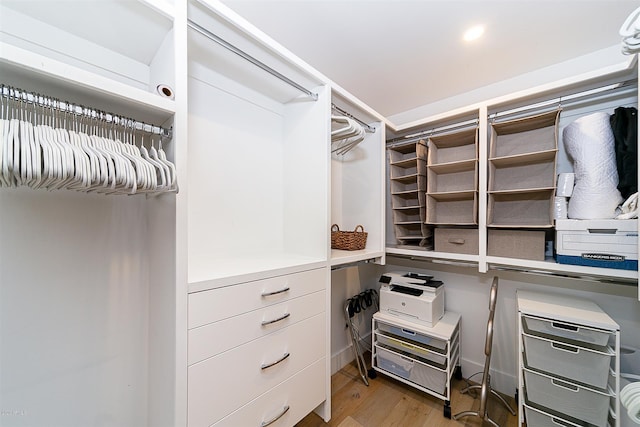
269 322
268 365
566 348
565 327
408 332
564 385
559 422
276 418
281 291
456 241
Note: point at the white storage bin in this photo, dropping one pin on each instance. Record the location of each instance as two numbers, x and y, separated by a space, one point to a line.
415 350
536 418
578 402
412 370
412 336
578 363
567 330
607 243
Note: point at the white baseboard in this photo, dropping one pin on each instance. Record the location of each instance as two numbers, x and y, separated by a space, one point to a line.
502 382
345 356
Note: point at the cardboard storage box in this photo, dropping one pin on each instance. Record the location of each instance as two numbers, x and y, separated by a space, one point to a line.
608 243
456 240
523 244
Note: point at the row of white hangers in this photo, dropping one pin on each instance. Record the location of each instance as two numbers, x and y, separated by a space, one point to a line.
346 133
43 146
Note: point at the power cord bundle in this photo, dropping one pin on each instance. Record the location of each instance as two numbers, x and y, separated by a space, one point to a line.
355 307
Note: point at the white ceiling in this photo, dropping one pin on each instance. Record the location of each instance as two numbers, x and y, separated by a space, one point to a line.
396 55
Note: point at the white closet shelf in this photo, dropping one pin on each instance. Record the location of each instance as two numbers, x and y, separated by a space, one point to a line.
444 257
33 67
340 257
214 273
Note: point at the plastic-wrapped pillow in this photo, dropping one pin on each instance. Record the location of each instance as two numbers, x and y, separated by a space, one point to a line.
589 142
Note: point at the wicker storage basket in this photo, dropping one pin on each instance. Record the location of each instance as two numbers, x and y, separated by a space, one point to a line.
348 240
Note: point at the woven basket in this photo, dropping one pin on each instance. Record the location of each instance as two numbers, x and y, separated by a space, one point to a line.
348 240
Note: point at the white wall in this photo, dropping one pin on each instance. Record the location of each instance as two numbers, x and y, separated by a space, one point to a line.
467 292
585 64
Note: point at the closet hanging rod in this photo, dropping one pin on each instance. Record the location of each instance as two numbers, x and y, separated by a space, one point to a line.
565 275
50 102
432 132
366 127
208 34
570 99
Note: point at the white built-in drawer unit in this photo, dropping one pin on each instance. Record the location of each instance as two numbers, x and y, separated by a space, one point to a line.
254 347
221 303
224 383
213 338
283 404
569 362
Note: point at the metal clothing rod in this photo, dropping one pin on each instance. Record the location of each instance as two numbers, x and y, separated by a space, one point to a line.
49 102
431 132
208 34
366 127
565 275
566 99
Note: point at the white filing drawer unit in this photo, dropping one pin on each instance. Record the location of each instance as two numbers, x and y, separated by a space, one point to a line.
423 357
569 362
252 349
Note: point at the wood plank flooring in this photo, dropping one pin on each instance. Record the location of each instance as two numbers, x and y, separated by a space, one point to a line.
387 402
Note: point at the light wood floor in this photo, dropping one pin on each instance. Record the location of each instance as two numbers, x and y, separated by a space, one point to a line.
387 402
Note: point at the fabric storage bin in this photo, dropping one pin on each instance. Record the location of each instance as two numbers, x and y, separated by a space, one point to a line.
522 244
531 171
412 336
461 176
581 364
538 418
412 349
453 208
406 215
566 330
415 183
409 151
412 370
410 169
576 401
456 240
453 147
524 135
526 209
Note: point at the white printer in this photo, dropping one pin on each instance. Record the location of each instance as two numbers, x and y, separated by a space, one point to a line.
415 296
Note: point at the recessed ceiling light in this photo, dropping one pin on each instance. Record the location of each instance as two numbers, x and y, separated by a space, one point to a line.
473 33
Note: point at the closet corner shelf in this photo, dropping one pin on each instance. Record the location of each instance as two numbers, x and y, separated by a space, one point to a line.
37 66
340 257
443 257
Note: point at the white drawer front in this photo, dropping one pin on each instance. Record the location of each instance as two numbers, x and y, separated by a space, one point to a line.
286 404
214 338
222 384
217 304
